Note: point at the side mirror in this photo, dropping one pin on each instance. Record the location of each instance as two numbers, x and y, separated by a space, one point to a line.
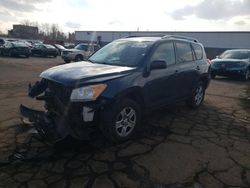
158 64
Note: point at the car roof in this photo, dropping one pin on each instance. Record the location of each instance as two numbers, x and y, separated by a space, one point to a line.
164 38
140 39
87 44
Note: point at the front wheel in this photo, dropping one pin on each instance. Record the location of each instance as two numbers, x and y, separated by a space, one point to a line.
121 121
197 97
79 58
67 61
213 75
246 75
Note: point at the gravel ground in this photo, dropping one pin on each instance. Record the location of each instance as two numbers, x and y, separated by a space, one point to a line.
177 148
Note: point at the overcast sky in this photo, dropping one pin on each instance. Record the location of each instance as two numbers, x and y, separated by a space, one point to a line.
129 15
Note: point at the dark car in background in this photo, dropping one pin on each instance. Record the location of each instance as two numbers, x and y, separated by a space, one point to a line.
44 50
232 63
2 41
118 84
15 49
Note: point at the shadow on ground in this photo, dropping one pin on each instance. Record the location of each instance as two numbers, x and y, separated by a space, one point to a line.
177 147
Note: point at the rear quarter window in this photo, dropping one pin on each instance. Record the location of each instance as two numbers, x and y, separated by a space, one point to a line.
184 52
198 51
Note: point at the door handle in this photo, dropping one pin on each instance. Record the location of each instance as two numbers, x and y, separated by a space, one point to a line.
198 68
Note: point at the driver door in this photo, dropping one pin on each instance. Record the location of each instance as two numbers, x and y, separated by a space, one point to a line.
161 84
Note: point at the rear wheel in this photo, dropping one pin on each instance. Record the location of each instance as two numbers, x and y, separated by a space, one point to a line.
10 53
120 122
197 97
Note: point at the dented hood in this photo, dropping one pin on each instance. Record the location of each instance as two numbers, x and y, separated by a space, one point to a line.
81 73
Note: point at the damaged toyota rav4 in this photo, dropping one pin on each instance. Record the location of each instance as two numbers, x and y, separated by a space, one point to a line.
116 86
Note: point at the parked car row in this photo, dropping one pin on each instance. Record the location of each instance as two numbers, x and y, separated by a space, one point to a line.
12 47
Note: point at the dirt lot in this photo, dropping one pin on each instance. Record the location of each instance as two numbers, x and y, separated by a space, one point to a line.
177 147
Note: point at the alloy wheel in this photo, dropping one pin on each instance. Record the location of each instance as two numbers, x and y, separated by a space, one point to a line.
125 121
198 95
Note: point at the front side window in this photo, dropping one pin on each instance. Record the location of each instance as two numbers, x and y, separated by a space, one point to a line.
184 52
165 52
121 53
82 47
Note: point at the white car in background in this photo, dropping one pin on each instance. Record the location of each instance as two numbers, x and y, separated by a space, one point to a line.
80 52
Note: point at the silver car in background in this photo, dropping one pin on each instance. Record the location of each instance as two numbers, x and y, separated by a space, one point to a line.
79 53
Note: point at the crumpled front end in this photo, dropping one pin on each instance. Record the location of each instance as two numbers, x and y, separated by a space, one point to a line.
49 127
61 117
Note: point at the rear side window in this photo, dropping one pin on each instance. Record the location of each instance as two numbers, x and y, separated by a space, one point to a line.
165 52
184 52
198 51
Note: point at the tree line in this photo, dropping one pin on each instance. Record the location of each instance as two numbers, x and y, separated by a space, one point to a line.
47 31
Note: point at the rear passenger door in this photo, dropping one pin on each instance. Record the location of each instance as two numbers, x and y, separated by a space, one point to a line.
187 68
161 84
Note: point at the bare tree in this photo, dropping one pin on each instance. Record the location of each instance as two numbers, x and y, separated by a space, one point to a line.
47 31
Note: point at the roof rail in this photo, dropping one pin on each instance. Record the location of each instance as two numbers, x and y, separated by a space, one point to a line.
131 36
180 37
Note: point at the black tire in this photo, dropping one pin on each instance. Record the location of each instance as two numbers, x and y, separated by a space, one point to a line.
213 75
79 58
246 75
113 124
44 54
197 97
10 53
67 61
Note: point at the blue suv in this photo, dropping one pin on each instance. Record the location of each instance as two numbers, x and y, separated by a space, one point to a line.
117 85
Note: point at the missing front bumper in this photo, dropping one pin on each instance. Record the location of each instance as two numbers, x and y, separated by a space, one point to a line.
52 129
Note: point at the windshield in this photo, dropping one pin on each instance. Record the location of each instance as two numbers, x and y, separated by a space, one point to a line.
19 44
59 46
121 53
49 46
235 55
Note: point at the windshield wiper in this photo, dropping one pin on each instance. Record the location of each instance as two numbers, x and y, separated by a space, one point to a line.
98 62
91 61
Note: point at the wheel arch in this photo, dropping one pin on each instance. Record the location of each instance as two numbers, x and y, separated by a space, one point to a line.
134 93
205 80
80 55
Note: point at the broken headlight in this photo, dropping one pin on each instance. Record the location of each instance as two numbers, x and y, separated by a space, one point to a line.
88 93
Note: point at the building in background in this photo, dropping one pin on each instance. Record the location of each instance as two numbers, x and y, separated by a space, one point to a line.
24 32
214 42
